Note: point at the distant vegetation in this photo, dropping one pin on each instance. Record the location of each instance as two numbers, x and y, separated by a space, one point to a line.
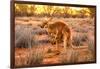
42 10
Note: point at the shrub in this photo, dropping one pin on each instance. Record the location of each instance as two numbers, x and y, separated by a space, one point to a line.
84 37
39 31
64 58
23 36
69 57
74 57
91 45
76 40
43 41
82 30
79 38
36 57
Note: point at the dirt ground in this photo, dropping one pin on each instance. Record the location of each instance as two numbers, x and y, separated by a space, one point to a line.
82 30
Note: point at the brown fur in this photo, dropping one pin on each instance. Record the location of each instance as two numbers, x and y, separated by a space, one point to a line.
60 29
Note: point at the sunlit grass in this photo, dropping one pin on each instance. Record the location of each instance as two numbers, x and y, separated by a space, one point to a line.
42 9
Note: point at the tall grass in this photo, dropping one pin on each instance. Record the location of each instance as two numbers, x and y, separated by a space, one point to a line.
91 47
70 56
64 58
74 57
36 57
23 36
32 57
78 39
81 29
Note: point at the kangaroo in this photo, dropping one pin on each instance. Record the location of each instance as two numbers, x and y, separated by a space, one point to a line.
61 29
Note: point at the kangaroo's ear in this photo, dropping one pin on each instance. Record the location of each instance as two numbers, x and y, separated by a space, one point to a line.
47 20
50 18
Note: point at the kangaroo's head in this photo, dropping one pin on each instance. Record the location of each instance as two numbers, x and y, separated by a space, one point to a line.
46 22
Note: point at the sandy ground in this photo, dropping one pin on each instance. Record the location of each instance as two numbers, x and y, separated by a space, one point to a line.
50 54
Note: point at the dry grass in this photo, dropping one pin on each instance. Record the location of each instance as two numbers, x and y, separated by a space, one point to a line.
29 57
36 57
81 29
91 44
23 36
78 39
70 56
76 55
91 47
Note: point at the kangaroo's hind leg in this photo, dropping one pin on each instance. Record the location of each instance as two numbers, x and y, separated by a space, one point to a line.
65 42
57 39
